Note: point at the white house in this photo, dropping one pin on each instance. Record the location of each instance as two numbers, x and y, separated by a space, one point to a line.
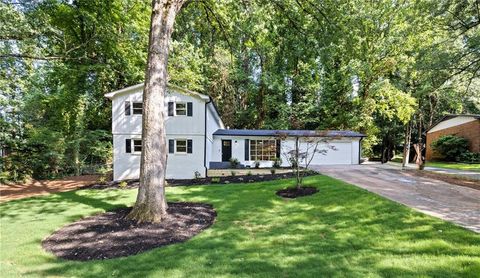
198 140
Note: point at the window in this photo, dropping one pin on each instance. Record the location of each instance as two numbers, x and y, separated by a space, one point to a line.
137 145
180 109
181 146
263 150
137 108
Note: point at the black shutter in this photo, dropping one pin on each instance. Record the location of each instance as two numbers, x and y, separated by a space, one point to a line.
247 149
171 146
189 109
279 145
189 146
127 108
128 145
170 109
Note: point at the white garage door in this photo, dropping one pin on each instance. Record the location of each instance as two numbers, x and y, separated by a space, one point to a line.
341 155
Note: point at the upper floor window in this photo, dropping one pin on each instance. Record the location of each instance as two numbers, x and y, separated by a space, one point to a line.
137 108
180 109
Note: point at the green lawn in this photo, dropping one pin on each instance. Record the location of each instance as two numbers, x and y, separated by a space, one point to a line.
341 231
453 165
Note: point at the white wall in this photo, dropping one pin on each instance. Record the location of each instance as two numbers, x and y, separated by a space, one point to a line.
451 123
179 166
347 151
132 124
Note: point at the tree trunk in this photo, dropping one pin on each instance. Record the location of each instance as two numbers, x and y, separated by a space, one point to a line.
419 150
297 160
406 146
151 205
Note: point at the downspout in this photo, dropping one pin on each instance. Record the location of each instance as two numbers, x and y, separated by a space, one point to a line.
205 139
360 150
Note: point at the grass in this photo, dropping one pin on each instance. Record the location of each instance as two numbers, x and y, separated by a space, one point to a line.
454 165
342 231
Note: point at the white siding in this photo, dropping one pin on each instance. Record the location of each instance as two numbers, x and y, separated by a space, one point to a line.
179 166
347 151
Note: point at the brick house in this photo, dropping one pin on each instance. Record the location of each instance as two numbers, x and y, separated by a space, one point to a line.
467 126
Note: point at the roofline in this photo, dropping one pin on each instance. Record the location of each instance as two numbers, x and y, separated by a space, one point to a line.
360 135
451 116
169 85
215 110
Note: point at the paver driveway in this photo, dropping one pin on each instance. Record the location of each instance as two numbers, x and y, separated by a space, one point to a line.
454 203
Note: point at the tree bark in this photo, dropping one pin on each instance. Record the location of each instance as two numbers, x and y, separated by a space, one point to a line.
406 145
151 205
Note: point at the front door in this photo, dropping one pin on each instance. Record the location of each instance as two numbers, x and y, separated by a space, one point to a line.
226 150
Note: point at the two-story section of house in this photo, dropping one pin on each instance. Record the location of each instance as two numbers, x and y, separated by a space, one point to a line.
190 123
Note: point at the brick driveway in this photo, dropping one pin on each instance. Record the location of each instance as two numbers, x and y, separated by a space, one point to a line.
454 203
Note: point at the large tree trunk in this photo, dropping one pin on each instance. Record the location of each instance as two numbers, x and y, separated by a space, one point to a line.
151 205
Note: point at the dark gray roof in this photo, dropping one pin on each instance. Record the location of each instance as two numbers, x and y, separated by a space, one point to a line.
291 133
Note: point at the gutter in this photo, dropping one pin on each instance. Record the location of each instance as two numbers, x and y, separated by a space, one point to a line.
205 139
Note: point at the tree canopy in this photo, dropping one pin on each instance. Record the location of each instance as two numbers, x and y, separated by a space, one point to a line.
369 66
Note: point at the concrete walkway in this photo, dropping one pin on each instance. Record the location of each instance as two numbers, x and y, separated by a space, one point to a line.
454 203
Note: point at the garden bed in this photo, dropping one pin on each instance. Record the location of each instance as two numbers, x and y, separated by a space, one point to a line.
295 192
111 235
203 181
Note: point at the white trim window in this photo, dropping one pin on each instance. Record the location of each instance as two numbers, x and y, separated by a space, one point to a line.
181 146
133 145
263 150
180 109
137 146
137 108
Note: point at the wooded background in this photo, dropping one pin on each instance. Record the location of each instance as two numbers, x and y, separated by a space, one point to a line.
383 68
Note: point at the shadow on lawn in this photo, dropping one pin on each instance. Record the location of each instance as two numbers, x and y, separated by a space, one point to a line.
339 231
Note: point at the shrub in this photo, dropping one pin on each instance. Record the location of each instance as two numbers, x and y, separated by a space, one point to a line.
257 164
233 173
277 163
249 173
450 147
216 180
123 184
273 171
469 157
234 163
197 175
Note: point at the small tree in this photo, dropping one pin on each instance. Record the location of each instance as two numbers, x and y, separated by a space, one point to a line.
302 154
450 147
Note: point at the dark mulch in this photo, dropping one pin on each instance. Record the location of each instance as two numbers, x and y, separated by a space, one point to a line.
110 235
297 192
203 181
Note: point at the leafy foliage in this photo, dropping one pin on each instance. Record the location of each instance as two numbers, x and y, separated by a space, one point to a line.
369 66
450 147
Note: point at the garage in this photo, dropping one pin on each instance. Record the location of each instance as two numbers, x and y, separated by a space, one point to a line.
340 154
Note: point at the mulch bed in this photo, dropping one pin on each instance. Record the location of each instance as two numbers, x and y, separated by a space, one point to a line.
203 181
111 235
292 193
